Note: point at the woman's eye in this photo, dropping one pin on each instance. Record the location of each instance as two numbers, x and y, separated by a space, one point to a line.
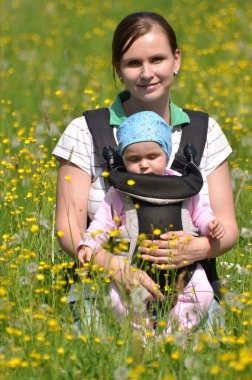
157 59
133 63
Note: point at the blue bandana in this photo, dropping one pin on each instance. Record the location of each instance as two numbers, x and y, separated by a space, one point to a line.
144 126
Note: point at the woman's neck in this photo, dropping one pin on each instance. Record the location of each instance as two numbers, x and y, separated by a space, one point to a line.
161 107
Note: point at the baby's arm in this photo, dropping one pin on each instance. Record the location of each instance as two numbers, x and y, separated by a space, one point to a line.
204 219
100 228
216 229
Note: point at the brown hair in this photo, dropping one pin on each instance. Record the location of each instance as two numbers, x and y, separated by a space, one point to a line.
134 26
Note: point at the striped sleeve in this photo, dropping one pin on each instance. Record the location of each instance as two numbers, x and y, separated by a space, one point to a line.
217 148
76 146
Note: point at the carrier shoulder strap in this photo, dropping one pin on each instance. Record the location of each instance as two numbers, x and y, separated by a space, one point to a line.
101 131
196 134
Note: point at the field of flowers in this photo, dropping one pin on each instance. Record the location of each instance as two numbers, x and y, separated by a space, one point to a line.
55 63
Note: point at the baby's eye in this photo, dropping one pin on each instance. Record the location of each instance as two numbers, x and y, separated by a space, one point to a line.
152 156
134 159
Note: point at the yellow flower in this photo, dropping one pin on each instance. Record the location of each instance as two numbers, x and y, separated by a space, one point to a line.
52 323
162 323
34 228
83 338
59 93
60 351
105 174
129 360
40 277
175 355
107 101
95 233
60 233
2 292
131 182
241 339
14 362
215 370
88 91
68 178
169 339
114 233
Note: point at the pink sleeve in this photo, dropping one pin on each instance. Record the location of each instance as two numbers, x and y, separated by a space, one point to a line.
103 222
201 213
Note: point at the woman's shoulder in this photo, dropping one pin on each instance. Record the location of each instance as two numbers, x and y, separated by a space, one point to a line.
77 130
78 123
75 144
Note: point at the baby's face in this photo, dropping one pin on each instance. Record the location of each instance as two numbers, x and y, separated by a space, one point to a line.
145 158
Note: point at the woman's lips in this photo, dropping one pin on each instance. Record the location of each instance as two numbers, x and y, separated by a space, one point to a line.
149 86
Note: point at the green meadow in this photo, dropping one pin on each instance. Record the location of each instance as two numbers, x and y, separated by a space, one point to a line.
54 64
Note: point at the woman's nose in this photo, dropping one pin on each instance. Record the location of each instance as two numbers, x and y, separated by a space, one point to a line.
146 71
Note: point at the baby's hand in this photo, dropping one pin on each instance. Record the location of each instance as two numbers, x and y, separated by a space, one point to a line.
216 229
84 255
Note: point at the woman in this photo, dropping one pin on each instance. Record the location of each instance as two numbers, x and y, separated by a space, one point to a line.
146 58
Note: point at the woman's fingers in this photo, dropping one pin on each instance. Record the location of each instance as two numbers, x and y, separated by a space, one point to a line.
141 277
169 241
166 262
165 266
173 235
159 258
158 249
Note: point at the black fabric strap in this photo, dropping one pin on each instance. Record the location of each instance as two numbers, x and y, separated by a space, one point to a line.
158 186
194 133
101 131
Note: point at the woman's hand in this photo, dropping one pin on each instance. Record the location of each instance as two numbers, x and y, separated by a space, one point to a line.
126 275
175 250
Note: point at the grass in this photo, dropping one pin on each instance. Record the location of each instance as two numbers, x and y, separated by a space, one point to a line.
55 63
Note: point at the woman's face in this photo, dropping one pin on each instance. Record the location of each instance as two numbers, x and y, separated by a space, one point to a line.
148 66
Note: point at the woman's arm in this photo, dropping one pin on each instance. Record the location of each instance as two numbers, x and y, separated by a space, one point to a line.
221 201
72 192
178 249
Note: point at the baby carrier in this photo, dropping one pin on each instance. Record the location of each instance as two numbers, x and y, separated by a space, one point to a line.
154 206
186 164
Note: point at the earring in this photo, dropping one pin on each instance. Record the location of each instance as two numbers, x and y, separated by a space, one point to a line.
121 79
175 73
